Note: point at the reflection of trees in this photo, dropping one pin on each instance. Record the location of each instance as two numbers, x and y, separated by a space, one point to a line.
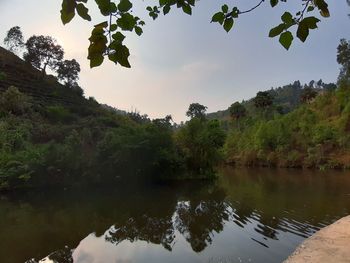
197 219
59 256
150 229
242 214
265 203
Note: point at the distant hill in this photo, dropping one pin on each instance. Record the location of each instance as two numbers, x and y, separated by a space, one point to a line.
286 98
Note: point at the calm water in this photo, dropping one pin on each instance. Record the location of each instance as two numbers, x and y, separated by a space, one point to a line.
246 216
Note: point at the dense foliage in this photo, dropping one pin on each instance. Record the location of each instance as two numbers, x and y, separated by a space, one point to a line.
59 145
314 134
50 135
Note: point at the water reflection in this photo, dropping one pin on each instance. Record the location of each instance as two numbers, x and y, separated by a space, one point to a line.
246 216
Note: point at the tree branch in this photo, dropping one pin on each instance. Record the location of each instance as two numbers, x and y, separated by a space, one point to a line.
251 9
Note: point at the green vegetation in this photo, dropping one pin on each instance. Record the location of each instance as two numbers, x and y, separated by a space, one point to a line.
58 145
107 37
200 141
313 132
50 135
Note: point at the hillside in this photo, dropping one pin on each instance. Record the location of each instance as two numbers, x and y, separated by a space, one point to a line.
314 135
51 135
44 91
285 99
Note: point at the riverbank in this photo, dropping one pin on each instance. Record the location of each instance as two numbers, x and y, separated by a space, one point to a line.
330 244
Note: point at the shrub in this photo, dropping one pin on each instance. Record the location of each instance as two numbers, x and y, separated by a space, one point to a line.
13 101
59 114
323 133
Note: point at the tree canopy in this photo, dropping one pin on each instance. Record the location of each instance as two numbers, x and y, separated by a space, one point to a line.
263 99
237 111
107 37
308 94
68 71
14 39
43 52
196 110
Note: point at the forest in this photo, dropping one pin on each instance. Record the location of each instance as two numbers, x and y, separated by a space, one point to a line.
51 135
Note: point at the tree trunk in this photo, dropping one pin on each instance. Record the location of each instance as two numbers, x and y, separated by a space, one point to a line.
43 71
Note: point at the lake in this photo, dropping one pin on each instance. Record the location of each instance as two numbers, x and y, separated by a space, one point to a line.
247 215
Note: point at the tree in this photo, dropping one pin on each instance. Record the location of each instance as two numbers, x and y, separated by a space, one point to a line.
343 58
107 37
68 72
200 143
308 94
14 39
237 111
43 52
196 110
263 100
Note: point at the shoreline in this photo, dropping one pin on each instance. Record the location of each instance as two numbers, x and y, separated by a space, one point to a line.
330 244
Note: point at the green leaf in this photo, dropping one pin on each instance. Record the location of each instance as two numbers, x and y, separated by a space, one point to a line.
119 37
323 7
228 24
96 61
105 7
102 25
187 9
113 27
304 26
287 18
67 11
286 39
191 2
124 5
113 8
83 12
163 2
277 30
302 32
138 30
224 8
126 22
325 13
235 12
273 2
310 8
218 17
311 22
120 55
166 9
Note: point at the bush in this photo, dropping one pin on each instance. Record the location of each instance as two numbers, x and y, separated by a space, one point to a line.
14 102
2 75
323 133
200 143
59 114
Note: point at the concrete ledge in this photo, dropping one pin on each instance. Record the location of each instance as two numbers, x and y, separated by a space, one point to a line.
330 244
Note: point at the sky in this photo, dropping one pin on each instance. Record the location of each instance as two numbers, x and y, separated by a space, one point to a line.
182 59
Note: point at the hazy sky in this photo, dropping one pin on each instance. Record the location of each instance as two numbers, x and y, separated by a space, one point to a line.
181 59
